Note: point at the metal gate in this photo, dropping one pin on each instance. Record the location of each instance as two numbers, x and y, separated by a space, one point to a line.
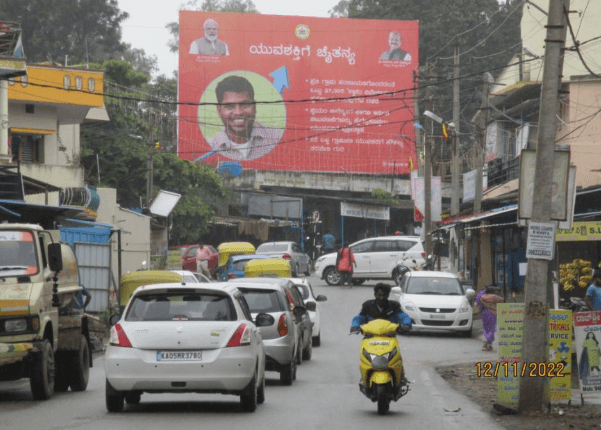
94 260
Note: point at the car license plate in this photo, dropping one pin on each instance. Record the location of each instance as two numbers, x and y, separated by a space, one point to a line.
437 316
179 355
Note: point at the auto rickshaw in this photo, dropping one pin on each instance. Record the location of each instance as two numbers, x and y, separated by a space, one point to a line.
132 280
228 249
276 267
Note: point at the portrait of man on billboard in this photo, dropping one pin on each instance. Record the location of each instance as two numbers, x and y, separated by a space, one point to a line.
242 137
395 52
209 44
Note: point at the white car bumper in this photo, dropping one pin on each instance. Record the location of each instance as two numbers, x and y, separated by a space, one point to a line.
441 321
227 369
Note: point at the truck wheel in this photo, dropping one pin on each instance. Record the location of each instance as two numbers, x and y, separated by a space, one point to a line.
61 375
114 399
41 377
81 366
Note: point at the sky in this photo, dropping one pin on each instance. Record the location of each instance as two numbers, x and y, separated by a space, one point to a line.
145 27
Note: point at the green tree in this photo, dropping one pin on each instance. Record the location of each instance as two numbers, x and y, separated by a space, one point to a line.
83 30
121 148
238 6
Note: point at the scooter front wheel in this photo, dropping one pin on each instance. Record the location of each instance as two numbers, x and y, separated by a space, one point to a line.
383 400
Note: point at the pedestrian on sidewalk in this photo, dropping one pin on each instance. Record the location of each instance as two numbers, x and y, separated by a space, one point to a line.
344 263
487 303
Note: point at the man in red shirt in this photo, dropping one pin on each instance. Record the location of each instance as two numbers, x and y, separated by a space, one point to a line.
202 260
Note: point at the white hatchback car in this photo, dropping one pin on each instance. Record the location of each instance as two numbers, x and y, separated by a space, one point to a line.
311 303
180 338
435 301
377 258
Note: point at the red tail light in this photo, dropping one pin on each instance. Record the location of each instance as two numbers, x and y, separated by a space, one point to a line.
118 337
423 254
241 336
283 325
287 257
231 275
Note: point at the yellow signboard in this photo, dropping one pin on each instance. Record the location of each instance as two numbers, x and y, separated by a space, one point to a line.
580 231
60 85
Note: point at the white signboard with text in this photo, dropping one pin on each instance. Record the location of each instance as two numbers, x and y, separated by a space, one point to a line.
362 211
541 240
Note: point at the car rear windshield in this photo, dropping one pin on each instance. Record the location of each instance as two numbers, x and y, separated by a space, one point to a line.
272 247
434 286
182 306
263 300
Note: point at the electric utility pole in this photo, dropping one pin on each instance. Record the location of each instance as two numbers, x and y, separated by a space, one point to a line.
150 162
456 170
533 390
419 132
487 79
428 169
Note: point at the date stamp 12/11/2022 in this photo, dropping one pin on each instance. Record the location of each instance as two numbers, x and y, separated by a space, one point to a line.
489 369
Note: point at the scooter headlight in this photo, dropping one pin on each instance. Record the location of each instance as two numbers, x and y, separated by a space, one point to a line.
379 362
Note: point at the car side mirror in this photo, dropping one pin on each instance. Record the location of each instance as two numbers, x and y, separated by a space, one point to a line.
299 311
311 306
113 319
321 298
469 293
264 320
396 290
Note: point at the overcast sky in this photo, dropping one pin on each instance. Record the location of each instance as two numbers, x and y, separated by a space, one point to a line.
145 28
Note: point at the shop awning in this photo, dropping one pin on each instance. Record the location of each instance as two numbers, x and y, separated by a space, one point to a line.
489 214
31 130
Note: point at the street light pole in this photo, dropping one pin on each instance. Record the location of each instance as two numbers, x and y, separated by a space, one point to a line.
456 171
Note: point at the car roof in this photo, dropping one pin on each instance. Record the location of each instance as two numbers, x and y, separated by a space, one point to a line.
263 282
182 272
214 286
299 280
431 274
279 242
250 257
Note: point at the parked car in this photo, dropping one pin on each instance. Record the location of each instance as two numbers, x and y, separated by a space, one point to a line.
377 258
186 338
300 263
286 340
234 267
312 304
189 259
436 301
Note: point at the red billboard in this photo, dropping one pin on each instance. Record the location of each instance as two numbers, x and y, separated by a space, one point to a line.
297 93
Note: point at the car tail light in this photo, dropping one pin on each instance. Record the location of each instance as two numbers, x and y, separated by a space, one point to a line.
118 337
241 336
231 275
283 325
423 254
287 257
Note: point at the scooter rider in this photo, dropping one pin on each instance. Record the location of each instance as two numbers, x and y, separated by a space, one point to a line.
382 308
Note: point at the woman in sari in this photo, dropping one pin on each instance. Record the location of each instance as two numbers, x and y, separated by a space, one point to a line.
487 302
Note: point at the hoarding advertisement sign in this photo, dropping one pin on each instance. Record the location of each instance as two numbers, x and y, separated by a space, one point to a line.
587 330
297 93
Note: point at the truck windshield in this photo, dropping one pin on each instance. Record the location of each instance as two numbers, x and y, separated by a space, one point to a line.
17 253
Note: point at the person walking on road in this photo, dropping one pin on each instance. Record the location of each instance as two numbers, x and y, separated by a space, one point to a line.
202 260
593 292
344 263
487 302
328 241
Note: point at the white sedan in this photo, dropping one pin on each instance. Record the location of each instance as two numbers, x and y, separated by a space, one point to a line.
311 303
180 338
435 301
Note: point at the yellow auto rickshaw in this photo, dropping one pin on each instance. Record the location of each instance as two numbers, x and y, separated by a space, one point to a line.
227 249
275 267
132 280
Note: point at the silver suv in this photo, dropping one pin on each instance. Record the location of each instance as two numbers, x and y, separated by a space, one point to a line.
377 258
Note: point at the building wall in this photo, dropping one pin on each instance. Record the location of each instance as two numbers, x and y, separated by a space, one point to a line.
135 232
584 131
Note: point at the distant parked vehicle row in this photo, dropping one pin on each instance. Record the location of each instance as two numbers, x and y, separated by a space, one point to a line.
377 258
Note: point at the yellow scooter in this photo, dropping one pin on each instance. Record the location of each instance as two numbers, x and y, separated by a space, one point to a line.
381 366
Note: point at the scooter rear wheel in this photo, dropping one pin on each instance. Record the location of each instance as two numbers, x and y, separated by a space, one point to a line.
383 400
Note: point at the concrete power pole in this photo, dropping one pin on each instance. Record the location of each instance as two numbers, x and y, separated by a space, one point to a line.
150 163
456 170
533 390
487 79
418 131
428 170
